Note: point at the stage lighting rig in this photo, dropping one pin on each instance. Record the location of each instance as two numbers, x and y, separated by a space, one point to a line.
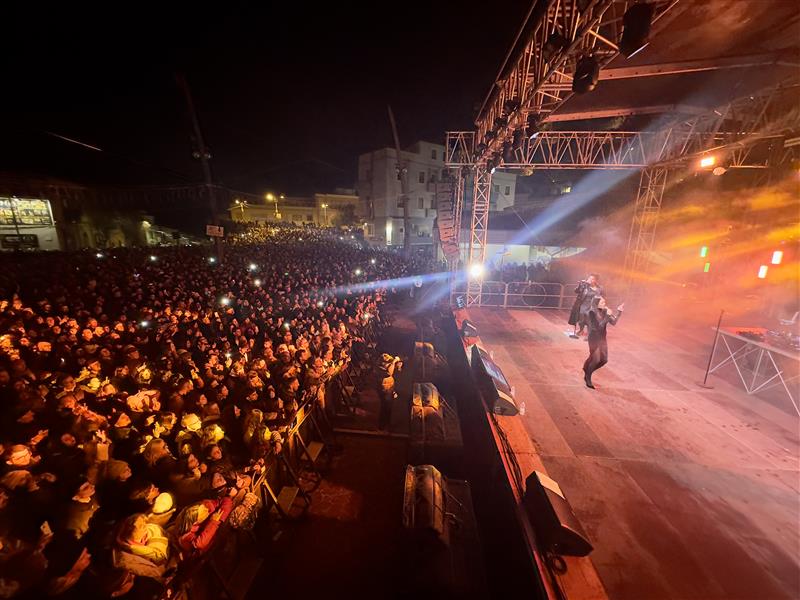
554 45
476 271
636 29
508 152
587 74
534 124
517 139
706 162
510 106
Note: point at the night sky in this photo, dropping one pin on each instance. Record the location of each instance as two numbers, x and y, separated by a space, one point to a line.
288 97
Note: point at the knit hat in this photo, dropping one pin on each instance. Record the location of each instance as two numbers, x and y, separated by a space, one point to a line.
163 503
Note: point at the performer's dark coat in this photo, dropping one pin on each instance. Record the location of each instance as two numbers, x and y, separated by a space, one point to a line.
583 302
598 346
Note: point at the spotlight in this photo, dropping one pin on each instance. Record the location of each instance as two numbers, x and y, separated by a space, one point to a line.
555 43
534 123
358 271
777 257
636 29
144 323
153 258
508 152
252 266
99 255
476 270
587 74
510 106
707 162
225 301
227 355
703 251
762 271
372 261
517 138
320 304
212 260
257 282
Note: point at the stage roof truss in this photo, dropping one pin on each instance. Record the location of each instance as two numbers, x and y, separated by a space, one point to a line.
537 79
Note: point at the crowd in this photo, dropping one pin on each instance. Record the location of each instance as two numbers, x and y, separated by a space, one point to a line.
141 391
539 272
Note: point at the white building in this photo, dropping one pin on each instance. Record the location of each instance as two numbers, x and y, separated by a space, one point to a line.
380 194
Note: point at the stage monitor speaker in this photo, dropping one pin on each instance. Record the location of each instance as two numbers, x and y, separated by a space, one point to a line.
468 329
553 520
497 391
424 499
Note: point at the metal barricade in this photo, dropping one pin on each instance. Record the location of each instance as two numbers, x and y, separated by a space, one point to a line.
519 294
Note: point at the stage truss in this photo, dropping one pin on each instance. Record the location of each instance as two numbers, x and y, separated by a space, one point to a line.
737 134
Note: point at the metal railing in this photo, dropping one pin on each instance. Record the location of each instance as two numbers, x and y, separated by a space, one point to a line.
517 294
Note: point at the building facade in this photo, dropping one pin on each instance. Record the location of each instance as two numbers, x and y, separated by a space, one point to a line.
326 210
379 192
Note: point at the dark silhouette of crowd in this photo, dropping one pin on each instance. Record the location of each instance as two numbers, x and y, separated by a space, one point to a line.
142 390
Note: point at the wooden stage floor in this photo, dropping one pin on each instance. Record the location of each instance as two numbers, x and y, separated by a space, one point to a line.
685 492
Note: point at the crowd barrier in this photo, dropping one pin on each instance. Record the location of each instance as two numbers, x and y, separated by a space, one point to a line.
227 569
519 294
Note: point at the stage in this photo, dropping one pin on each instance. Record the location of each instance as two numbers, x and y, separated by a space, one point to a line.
685 492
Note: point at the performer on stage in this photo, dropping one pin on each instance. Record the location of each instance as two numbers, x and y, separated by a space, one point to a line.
599 318
587 290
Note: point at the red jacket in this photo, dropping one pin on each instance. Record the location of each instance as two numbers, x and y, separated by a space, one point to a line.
200 536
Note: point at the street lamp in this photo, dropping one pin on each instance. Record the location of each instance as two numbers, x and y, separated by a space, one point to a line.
325 208
241 204
273 198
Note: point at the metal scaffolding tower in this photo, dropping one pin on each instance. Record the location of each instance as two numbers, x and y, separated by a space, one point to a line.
646 211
